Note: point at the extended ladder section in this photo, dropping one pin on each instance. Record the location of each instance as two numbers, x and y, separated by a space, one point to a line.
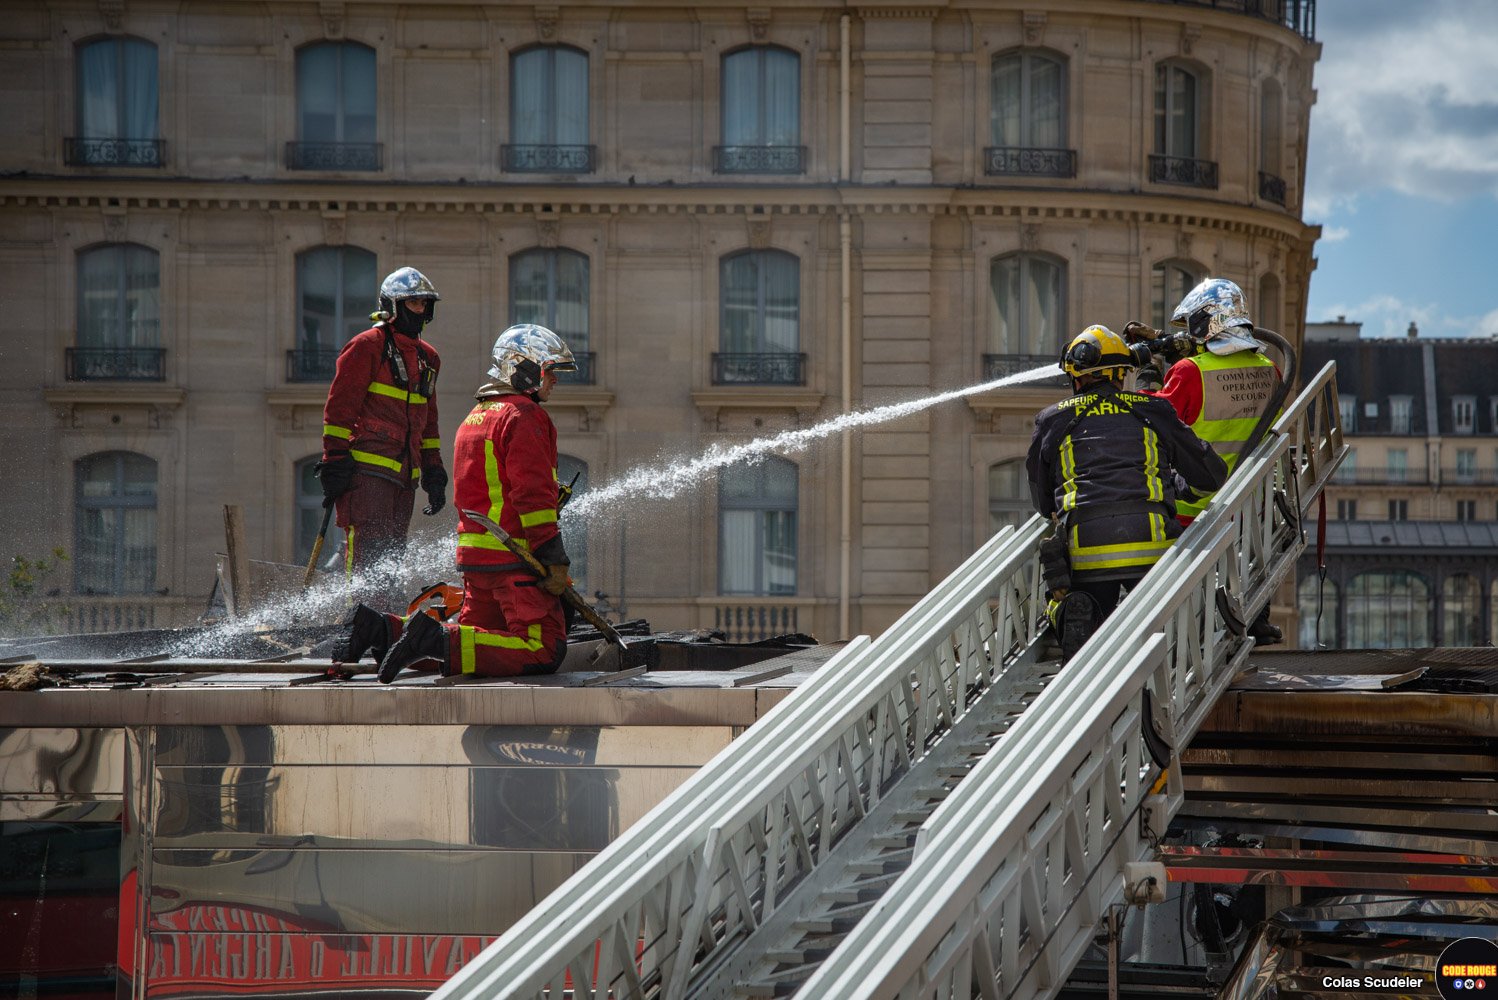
941 812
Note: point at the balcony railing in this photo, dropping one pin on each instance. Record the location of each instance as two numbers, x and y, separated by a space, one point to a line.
1272 188
311 364
81 152
753 622
997 366
1029 161
1382 477
759 159
759 369
115 364
584 373
334 155
1297 15
548 159
1183 170
1469 477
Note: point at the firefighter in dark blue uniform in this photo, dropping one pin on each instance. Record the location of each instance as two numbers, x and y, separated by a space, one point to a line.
1103 466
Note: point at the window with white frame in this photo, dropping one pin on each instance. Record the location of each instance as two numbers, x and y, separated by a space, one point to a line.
1400 409
1466 510
1027 305
1396 462
1347 412
1347 510
1466 464
114 507
759 331
1347 472
119 309
334 286
757 528
549 111
1464 414
336 90
1008 494
1399 510
117 105
1027 115
761 104
550 286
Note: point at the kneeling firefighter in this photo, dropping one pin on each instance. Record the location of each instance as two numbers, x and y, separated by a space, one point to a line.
1219 382
1103 465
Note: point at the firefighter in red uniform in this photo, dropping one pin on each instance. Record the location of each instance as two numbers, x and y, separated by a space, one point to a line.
380 434
505 463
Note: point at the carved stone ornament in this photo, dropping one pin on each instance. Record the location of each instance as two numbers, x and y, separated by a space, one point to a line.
759 234
1033 22
548 233
112 12
333 228
759 22
114 227
546 23
1029 237
1183 244
1189 34
331 12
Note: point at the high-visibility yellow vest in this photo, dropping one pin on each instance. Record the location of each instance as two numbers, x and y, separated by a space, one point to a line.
1235 389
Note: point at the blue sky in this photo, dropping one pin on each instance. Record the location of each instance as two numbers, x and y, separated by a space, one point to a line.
1402 170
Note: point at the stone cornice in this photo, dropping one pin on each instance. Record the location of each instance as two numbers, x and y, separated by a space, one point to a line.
1021 203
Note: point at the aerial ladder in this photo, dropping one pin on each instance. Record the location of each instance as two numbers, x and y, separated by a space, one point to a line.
941 811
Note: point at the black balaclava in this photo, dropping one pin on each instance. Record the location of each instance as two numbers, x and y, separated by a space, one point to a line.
410 323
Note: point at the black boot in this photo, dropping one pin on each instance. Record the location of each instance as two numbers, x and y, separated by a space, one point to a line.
1265 632
1079 618
423 639
369 632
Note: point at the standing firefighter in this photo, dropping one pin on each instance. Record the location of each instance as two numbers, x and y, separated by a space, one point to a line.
380 424
505 463
1220 384
1102 465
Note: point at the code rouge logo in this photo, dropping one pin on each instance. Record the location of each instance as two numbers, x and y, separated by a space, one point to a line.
1468 968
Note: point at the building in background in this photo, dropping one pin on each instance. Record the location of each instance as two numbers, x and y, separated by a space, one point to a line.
743 219
1412 515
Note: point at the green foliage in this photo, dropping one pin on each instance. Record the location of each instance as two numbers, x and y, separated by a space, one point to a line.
23 609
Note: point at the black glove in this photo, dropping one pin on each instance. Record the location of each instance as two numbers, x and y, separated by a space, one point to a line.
1055 562
337 475
434 481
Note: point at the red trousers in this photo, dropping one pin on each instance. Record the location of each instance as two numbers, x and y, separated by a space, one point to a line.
375 515
508 626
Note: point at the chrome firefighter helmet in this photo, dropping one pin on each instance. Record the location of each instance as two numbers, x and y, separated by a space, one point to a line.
405 283
1215 314
525 352
1099 349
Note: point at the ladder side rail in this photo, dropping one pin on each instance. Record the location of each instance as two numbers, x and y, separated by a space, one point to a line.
652 859
1314 426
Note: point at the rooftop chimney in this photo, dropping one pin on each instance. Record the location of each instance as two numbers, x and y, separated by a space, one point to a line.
1413 331
1341 318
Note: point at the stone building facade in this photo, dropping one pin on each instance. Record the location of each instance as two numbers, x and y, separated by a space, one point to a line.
746 219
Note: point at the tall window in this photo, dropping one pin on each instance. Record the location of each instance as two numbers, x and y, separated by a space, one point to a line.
1347 413
1027 305
1466 510
549 111
1008 494
1169 282
1398 464
1180 147
1347 510
336 87
757 528
1271 144
1461 611
1463 414
760 319
1347 472
575 529
335 287
1318 605
115 513
550 287
1399 510
119 305
1399 414
1388 610
1269 304
1466 464
761 112
1027 116
117 105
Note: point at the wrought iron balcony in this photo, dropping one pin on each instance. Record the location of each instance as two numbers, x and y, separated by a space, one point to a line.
1029 161
334 155
1297 15
1272 188
584 373
1183 170
115 364
311 364
759 159
548 159
778 368
83 152
997 366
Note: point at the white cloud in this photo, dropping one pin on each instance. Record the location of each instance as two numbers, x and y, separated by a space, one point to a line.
1334 234
1385 315
1407 100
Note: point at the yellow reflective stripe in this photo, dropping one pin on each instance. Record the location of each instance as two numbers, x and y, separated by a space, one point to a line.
484 540
427 443
370 458
1068 474
333 430
491 477
1155 489
381 389
535 517
348 552
510 641
465 647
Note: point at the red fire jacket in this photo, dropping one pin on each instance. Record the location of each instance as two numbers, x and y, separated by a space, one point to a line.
391 432
505 467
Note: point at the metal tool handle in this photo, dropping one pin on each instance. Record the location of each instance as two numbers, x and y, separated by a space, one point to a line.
327 515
